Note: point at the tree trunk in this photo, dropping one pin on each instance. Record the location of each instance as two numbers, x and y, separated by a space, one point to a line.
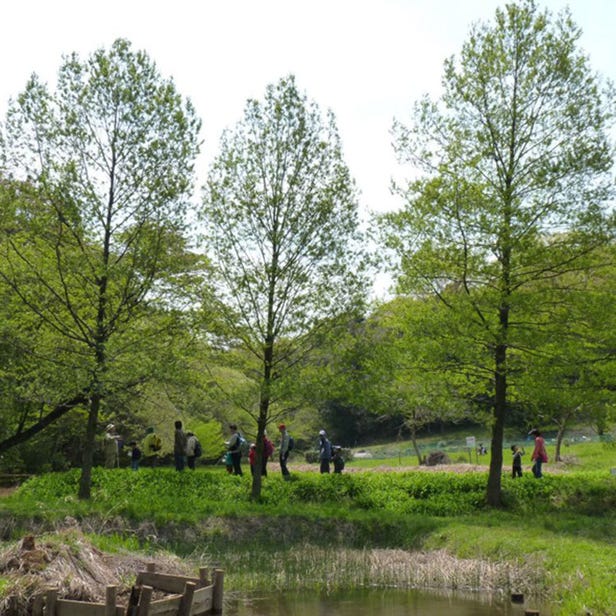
58 411
85 481
257 480
493 495
264 402
560 435
415 445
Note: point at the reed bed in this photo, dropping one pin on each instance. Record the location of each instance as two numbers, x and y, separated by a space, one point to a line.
311 567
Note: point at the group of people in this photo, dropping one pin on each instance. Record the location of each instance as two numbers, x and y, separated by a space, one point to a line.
146 455
186 450
329 454
233 456
538 457
113 445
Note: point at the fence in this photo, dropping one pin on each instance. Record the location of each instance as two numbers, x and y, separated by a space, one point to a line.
185 597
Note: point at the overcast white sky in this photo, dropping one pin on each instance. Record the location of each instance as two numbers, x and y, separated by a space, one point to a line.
367 60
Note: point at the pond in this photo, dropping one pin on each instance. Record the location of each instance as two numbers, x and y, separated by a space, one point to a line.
370 603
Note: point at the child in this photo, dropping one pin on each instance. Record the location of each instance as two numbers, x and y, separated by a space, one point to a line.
338 460
252 456
516 470
229 462
135 455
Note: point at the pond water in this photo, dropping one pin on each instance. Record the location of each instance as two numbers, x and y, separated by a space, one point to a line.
369 603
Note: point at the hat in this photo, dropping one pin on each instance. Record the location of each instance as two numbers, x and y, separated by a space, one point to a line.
321 432
109 428
282 427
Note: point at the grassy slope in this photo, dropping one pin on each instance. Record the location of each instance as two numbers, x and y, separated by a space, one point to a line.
561 531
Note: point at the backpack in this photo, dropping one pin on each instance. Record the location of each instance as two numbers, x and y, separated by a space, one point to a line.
338 463
268 448
243 446
198 449
291 443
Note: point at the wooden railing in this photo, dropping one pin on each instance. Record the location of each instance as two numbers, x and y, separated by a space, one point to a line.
186 597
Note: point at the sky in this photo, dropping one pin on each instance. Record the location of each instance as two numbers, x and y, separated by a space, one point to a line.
366 60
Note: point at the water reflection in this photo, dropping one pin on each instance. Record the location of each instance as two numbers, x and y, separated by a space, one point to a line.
367 603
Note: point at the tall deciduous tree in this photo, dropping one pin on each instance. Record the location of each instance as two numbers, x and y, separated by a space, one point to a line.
515 158
281 228
109 156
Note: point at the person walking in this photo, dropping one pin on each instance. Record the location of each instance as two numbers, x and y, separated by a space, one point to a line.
191 450
150 447
111 447
234 447
268 453
179 446
539 455
325 452
516 469
284 450
337 459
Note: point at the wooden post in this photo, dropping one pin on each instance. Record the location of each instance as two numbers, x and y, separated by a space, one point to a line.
50 601
144 601
133 601
37 605
218 578
203 576
110 600
187 599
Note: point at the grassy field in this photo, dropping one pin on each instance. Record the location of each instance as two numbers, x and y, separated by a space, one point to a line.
555 539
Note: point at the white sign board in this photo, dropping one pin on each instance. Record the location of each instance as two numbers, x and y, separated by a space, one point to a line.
470 442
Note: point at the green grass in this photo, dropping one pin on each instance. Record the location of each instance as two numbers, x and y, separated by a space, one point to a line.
582 455
557 535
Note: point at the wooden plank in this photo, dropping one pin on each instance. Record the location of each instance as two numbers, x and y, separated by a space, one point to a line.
202 601
68 607
165 582
165 607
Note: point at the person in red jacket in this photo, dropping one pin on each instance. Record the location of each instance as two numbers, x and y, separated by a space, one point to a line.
539 455
252 458
268 452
